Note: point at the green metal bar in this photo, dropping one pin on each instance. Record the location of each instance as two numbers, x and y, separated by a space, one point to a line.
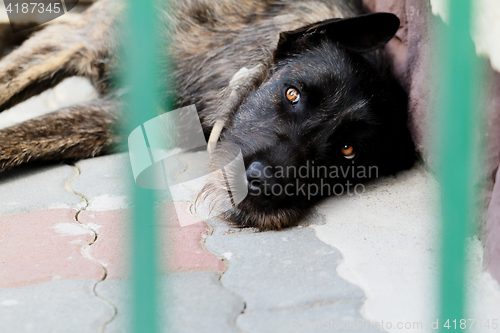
141 47
455 155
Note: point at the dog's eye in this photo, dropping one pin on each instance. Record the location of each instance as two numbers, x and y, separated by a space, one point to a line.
348 152
292 95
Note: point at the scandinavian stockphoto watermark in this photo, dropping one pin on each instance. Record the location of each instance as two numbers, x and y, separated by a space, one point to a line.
28 14
153 148
310 180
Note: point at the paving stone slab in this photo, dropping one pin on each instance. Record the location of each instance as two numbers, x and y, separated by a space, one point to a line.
58 306
30 188
191 302
181 248
389 236
43 246
280 270
185 249
105 181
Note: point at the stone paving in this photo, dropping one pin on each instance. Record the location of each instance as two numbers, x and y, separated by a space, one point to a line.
356 263
65 249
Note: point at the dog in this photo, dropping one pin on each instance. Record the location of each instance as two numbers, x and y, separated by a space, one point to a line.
317 112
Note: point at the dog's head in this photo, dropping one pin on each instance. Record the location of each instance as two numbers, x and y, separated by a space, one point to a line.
325 119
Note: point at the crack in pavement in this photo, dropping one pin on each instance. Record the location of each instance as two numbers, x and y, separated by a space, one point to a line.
86 249
235 321
226 263
241 313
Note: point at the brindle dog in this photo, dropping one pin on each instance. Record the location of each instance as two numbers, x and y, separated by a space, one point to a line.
318 97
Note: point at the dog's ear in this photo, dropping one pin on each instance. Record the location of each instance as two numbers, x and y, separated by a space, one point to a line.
362 33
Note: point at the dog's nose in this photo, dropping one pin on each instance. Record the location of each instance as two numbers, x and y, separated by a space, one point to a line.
258 176
263 184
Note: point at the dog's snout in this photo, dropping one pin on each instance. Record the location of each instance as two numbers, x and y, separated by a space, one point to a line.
262 183
258 175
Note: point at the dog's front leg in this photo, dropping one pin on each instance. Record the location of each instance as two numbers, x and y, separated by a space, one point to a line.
72 133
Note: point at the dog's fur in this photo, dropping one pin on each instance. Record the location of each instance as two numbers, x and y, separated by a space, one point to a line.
347 96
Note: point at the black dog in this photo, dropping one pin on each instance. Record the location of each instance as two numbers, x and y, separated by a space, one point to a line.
317 114
328 106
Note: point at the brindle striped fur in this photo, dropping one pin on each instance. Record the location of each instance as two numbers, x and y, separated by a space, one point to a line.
211 42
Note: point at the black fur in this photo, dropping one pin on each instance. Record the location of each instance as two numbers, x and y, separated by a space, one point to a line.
346 98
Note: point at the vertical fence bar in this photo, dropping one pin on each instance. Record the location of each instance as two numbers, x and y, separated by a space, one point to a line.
141 48
456 125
